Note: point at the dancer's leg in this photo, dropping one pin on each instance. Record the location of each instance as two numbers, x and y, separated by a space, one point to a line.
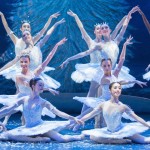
137 138
109 141
63 138
28 139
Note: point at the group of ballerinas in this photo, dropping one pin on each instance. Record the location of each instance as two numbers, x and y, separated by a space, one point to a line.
107 80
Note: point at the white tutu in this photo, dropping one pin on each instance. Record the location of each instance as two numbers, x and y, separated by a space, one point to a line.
85 72
127 130
11 73
91 71
147 76
89 101
41 128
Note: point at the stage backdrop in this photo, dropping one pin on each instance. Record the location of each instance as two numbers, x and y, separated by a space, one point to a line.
90 12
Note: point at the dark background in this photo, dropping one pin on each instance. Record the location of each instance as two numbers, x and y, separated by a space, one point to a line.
90 12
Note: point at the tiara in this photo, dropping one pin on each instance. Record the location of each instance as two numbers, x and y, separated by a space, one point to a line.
25 21
105 23
25 53
97 24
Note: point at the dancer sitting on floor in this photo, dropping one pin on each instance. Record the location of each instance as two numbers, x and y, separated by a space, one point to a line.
112 111
23 78
104 81
35 129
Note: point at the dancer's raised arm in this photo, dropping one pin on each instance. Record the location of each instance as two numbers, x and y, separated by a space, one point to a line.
8 30
122 56
77 56
49 32
59 113
49 57
146 22
42 32
125 25
117 28
86 37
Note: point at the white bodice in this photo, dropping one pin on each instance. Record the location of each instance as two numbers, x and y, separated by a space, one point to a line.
105 88
32 111
20 45
112 118
32 114
35 57
24 89
95 57
112 50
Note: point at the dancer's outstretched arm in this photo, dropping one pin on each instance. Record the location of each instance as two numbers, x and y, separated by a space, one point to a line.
122 56
146 22
42 32
49 32
93 113
77 56
125 25
118 27
86 37
6 110
136 117
8 30
49 57
58 112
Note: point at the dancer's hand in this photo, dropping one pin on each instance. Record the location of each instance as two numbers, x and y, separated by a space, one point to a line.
60 22
141 84
128 41
139 10
76 120
64 64
71 13
133 10
147 68
54 92
55 15
62 41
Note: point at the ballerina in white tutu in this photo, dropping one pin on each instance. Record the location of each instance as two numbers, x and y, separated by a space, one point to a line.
112 112
11 68
23 78
104 81
18 42
85 72
35 129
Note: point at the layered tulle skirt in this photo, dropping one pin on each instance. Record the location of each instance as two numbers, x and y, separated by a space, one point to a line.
93 71
127 130
11 73
147 76
39 129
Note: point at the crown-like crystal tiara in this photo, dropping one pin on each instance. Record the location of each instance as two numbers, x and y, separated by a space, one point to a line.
25 21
